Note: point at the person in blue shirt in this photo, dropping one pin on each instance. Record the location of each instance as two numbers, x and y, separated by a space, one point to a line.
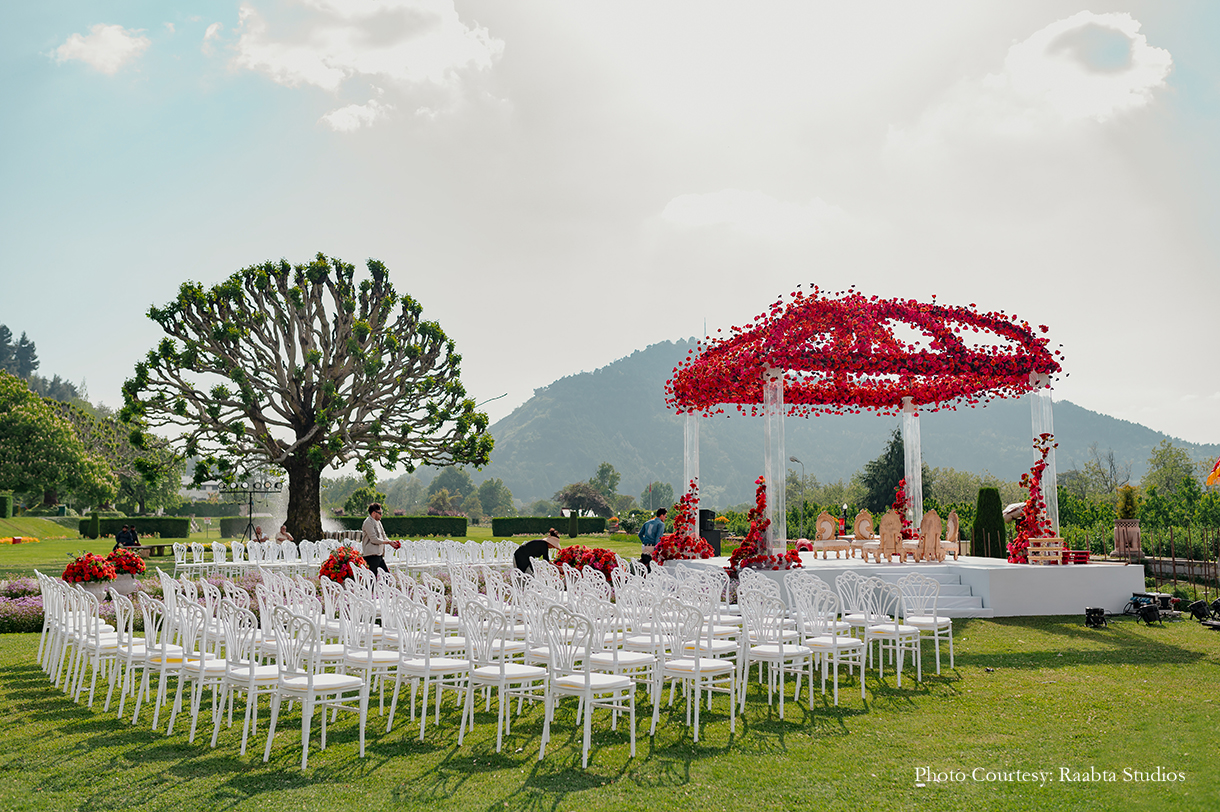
650 534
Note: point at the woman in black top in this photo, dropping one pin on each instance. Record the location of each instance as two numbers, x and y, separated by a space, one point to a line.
538 548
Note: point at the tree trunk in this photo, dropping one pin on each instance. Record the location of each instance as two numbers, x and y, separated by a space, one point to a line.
50 497
304 501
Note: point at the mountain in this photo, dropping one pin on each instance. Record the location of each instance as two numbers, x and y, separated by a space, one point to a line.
617 414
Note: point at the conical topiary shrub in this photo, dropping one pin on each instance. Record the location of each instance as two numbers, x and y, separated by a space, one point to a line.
988 534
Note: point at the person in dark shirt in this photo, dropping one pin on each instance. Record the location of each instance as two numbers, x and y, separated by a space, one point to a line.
538 548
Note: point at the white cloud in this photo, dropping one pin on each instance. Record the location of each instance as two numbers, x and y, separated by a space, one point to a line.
354 116
209 36
169 27
106 49
1086 67
409 41
755 213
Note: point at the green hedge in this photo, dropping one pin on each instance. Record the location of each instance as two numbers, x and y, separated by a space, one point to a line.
539 525
168 527
6 506
208 509
413 527
989 535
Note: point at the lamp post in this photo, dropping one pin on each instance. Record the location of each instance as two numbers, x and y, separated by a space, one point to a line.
798 462
845 518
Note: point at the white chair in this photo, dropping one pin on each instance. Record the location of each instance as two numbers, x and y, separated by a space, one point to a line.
162 654
570 641
220 561
362 639
893 634
484 632
817 612
131 649
766 643
243 673
920 594
414 624
199 668
677 625
302 679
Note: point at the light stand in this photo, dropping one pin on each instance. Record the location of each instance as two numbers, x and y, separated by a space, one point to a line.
252 487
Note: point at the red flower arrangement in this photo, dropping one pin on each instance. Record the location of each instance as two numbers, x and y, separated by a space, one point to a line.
579 556
749 553
338 566
1033 523
684 543
901 503
127 562
88 567
840 355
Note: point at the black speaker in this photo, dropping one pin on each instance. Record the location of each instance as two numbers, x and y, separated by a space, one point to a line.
1095 617
707 520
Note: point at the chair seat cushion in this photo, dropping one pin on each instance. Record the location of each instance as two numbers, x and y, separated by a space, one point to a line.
434 665
771 651
626 659
322 683
891 629
262 673
706 666
926 621
598 681
513 672
833 641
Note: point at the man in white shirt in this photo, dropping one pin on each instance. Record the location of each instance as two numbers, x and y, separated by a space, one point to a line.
375 540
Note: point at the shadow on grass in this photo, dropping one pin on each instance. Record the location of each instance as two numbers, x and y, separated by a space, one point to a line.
1071 644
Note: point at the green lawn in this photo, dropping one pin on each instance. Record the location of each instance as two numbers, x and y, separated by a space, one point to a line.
1027 695
33 526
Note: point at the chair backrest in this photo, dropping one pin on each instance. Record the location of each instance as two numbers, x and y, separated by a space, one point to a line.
889 603
752 579
124 617
192 629
483 628
920 594
676 625
413 624
236 594
827 526
239 551
358 623
802 579
220 553
862 525
952 527
763 616
296 644
240 629
816 609
568 637
198 552
158 629
850 585
179 554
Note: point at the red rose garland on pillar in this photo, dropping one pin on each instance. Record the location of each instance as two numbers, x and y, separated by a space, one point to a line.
901 503
1033 523
750 554
684 543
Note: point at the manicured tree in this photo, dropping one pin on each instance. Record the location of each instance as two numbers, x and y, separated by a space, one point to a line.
990 538
302 367
358 503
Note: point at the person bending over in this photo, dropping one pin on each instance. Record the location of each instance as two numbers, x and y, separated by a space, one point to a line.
538 548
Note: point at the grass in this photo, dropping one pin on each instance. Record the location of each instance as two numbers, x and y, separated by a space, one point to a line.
32 526
1027 694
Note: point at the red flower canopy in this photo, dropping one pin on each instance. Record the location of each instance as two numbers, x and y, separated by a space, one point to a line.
847 353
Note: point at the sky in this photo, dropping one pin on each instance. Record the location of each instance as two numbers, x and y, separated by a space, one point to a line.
560 184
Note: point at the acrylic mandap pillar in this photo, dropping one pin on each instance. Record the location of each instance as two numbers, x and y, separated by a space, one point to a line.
775 461
690 454
913 460
1044 423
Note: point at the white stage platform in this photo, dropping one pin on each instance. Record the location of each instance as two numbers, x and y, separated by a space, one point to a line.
989 587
